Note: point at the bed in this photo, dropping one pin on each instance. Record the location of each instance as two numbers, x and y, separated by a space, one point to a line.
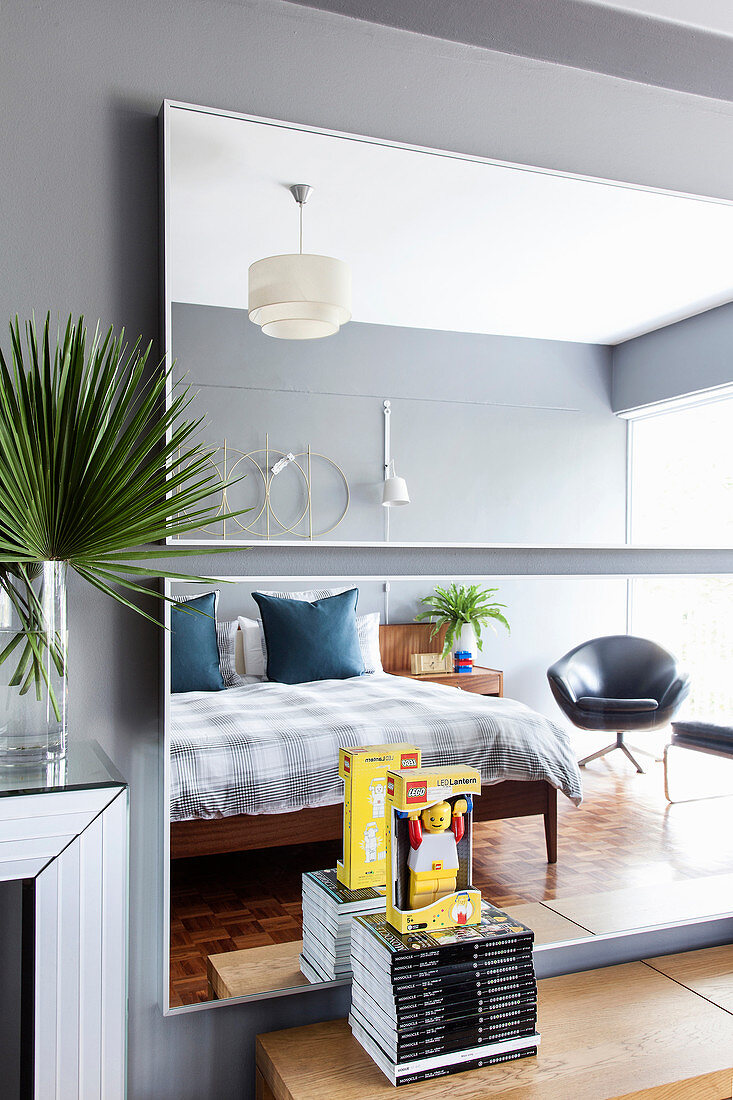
256 766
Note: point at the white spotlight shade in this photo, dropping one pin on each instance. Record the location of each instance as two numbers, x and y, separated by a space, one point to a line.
395 492
299 297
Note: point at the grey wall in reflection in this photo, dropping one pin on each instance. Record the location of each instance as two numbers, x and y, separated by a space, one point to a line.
500 439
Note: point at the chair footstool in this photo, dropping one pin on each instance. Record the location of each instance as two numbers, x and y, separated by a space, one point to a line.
705 737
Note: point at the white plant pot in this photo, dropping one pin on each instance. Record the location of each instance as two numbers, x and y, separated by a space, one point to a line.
466 641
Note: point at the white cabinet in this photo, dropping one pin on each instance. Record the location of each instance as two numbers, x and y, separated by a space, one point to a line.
66 838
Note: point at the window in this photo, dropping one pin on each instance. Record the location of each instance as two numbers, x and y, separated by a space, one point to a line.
681 477
681 482
692 617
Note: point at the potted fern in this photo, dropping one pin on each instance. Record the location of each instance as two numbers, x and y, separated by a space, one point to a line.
94 464
463 610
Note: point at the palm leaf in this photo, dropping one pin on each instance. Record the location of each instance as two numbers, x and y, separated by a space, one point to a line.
94 462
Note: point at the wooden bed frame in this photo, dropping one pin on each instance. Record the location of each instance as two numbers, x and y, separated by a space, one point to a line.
247 832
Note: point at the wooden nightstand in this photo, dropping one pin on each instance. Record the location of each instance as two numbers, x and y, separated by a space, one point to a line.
482 681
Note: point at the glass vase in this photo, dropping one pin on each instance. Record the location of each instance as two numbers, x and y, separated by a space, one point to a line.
33 664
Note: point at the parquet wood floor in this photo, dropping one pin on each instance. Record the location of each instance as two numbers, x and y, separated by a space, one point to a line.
624 834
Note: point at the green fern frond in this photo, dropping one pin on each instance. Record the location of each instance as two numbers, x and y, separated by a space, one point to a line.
458 606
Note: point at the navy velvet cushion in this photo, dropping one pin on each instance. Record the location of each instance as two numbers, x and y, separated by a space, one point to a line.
194 650
311 641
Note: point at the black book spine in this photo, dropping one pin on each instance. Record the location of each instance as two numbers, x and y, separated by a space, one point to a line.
479 966
458 1000
476 1063
459 1013
476 1025
452 1046
484 979
461 991
481 963
460 952
460 1009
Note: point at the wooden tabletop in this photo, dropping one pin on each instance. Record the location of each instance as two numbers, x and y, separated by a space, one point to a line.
482 681
255 970
708 973
626 1031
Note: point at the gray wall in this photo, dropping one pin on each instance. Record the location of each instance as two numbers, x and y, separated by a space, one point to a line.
81 84
684 358
609 40
487 430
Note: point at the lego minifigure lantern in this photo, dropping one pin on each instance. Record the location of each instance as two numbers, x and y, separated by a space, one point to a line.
429 848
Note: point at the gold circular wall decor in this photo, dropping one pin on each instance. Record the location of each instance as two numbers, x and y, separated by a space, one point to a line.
275 526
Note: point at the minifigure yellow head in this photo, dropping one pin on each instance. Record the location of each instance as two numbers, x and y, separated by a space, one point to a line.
436 819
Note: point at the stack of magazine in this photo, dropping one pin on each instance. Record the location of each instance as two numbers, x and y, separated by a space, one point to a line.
328 911
426 1004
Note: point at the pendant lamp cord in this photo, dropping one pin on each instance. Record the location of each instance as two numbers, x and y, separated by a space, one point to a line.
300 208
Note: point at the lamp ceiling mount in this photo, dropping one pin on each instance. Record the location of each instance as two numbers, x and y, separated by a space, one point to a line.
301 192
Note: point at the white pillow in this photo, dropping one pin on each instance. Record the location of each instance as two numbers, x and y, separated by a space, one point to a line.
367 627
253 646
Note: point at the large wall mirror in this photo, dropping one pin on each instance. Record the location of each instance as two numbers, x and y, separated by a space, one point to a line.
534 359
520 323
253 800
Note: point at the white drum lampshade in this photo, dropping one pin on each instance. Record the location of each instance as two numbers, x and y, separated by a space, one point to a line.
299 296
395 489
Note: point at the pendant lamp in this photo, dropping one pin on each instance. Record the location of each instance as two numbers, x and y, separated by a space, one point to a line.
299 296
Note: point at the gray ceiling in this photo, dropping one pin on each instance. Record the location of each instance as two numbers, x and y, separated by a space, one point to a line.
586 35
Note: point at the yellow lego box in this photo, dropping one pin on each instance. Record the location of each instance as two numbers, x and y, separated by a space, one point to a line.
364 772
430 848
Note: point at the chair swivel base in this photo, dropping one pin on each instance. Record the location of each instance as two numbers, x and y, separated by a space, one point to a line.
620 744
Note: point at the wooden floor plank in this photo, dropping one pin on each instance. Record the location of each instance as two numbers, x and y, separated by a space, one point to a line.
642 906
709 973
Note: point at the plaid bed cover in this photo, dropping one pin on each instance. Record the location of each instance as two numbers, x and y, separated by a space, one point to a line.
273 748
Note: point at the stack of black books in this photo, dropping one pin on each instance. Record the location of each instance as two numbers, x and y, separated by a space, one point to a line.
328 911
426 1004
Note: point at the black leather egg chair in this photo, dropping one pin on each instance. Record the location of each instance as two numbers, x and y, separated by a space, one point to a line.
618 683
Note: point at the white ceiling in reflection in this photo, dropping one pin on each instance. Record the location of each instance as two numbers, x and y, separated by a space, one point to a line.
437 241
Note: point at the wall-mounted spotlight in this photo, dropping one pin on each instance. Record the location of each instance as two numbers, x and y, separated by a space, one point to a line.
394 489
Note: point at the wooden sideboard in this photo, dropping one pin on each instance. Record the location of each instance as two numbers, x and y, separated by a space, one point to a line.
642 1031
